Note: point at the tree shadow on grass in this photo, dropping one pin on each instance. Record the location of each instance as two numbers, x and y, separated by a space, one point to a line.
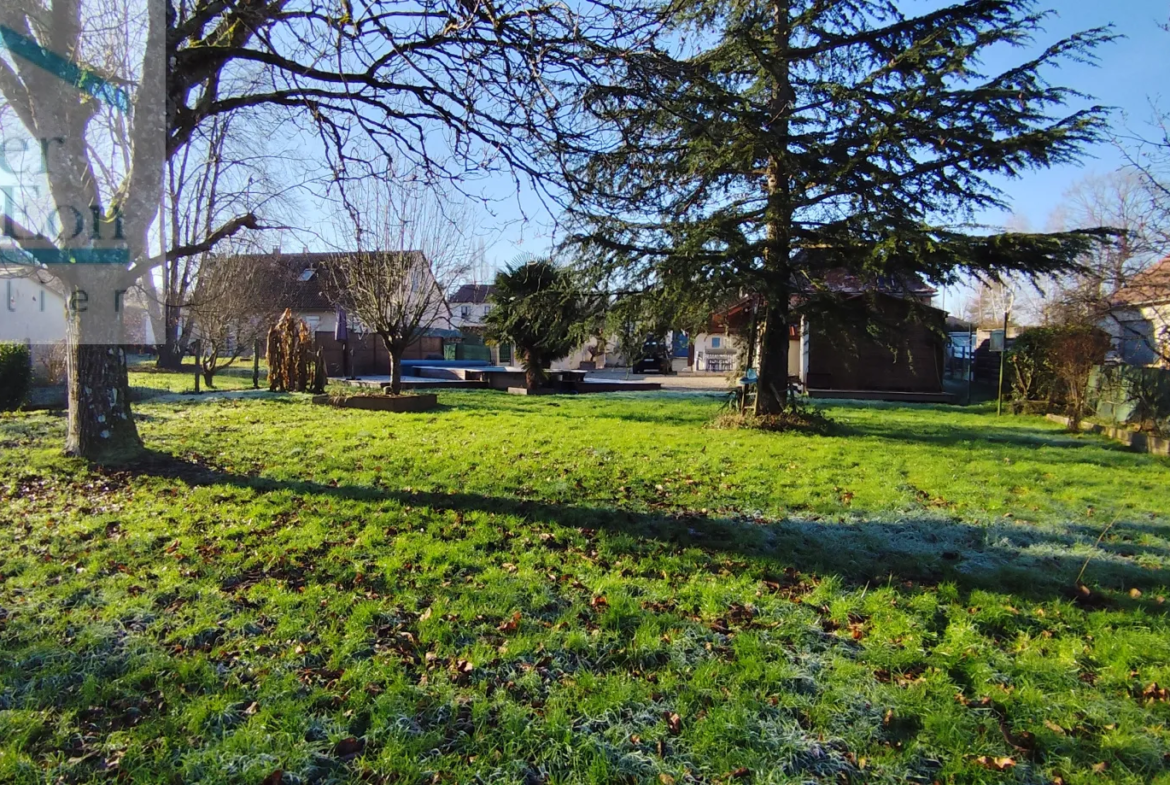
952 435
1031 561
1061 447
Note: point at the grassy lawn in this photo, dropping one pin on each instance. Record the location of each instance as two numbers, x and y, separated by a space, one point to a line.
580 589
146 381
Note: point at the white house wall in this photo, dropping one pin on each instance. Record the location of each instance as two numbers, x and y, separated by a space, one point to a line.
1157 319
709 358
31 312
476 314
728 350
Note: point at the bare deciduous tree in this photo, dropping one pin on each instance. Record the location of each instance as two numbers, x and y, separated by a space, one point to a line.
226 171
990 300
411 247
1105 290
457 88
236 301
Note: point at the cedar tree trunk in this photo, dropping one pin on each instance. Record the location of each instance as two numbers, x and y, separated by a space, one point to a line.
772 387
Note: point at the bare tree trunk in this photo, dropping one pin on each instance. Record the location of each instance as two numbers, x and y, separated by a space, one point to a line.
772 387
101 425
395 369
209 367
170 353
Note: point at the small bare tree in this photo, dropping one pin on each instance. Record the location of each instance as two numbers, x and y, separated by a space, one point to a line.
412 245
990 299
236 300
1115 275
1073 353
221 184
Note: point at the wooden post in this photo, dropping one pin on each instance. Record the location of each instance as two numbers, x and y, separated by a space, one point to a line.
198 361
970 360
1002 361
256 364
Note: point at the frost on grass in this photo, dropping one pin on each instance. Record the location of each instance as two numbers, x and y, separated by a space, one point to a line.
975 549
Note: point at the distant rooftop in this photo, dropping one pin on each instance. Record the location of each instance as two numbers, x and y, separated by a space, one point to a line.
306 289
472 293
1147 287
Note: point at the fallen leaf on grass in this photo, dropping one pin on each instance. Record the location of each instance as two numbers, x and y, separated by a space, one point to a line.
275 778
1155 693
348 747
510 625
995 764
599 601
673 723
463 669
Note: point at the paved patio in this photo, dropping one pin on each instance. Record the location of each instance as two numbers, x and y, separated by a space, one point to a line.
683 382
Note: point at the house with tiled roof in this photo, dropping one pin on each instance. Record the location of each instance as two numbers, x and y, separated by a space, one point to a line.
470 305
303 282
1139 318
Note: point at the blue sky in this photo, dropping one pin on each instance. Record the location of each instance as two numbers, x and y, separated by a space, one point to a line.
1130 73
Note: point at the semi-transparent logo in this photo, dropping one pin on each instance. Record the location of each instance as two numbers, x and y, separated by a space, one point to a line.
82 142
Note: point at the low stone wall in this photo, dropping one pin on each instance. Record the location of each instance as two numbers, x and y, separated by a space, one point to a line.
1137 441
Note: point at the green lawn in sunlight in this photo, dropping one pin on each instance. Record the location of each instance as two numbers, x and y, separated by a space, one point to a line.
580 589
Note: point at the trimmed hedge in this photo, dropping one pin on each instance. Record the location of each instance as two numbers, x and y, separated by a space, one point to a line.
15 375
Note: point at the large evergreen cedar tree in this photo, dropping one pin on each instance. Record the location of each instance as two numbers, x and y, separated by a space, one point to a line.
810 136
452 88
538 308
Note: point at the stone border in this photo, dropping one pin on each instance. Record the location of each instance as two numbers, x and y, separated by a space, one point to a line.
381 403
1137 441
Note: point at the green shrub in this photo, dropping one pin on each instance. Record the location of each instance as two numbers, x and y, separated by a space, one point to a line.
15 375
1031 374
1052 365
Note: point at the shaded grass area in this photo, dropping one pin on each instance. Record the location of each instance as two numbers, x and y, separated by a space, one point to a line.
581 589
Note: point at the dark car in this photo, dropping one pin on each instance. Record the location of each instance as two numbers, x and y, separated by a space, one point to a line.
655 357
